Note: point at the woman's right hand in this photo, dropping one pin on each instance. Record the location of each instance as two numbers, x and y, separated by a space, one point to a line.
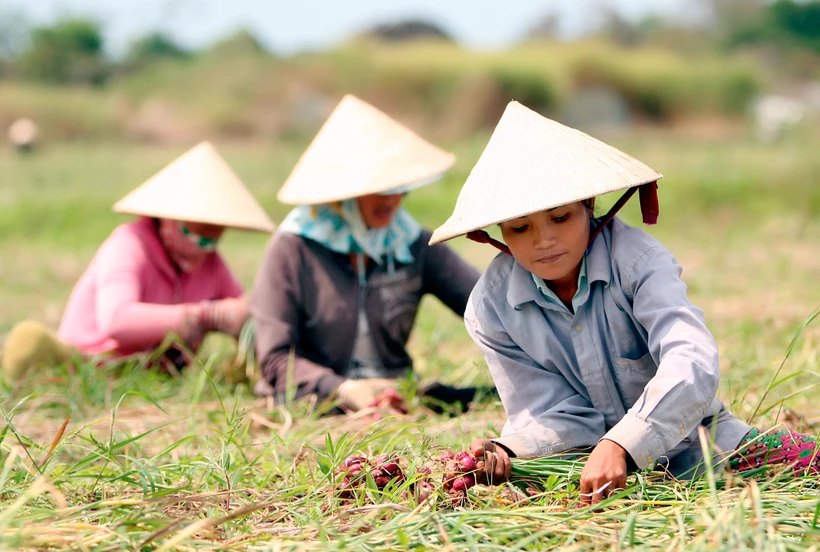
226 315
192 331
356 394
493 463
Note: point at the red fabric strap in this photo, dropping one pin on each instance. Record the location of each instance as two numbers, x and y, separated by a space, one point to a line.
611 213
649 207
481 236
649 203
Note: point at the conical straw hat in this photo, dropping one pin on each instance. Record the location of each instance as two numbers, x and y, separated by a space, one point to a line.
359 151
533 164
198 187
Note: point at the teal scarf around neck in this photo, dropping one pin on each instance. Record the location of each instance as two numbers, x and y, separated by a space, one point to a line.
342 229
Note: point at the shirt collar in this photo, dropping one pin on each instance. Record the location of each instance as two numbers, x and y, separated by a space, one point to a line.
595 267
581 293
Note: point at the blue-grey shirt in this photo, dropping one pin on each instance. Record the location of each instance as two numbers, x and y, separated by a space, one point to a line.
634 363
580 294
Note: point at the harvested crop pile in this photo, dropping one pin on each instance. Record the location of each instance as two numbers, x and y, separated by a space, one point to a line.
446 479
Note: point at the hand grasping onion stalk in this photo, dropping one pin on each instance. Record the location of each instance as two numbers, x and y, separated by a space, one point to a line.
389 401
603 473
493 464
358 394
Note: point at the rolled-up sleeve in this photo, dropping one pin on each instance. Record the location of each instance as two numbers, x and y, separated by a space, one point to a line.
676 399
546 415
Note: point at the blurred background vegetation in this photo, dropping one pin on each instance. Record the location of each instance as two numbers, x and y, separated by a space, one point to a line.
651 71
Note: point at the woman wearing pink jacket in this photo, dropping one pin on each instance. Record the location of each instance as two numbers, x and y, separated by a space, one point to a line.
156 277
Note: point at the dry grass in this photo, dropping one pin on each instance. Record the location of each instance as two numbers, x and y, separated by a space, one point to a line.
191 463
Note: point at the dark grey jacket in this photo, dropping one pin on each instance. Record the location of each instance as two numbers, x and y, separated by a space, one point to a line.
306 298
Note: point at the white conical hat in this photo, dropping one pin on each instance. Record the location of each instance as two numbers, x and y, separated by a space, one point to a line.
359 151
533 164
198 187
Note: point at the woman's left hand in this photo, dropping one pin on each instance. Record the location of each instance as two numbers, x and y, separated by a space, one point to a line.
227 315
604 472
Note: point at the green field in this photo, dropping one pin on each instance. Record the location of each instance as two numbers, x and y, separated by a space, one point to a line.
159 463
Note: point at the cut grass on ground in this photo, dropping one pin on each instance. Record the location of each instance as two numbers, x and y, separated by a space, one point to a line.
149 462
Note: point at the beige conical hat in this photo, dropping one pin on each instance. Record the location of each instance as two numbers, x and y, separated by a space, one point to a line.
198 187
532 164
359 151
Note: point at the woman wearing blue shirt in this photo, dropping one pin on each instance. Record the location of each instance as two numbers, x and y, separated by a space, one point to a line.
585 322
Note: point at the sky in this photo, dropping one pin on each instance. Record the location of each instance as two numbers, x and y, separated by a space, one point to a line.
287 26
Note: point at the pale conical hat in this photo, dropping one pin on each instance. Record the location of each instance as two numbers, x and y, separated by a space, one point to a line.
359 151
198 187
533 164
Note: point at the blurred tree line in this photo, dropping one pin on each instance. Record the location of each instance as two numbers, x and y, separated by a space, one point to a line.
73 51
788 23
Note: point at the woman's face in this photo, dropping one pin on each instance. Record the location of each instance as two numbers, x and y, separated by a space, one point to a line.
378 210
209 231
550 244
189 243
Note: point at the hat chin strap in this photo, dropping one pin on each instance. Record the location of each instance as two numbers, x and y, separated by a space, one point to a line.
649 211
649 207
481 236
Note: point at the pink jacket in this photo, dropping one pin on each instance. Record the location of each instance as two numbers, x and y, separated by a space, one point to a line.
130 297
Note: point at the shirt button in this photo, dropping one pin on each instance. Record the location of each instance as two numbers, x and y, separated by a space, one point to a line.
579 328
682 431
648 459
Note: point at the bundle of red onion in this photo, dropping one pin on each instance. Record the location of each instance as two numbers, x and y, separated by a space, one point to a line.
386 469
459 473
355 469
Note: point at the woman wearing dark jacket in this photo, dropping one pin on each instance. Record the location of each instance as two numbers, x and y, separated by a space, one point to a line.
339 288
